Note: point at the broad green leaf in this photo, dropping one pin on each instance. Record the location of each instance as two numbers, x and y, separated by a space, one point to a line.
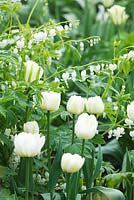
55 169
109 193
46 196
98 139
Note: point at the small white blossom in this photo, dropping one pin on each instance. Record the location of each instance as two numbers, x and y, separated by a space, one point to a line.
118 132
73 75
20 44
112 67
129 122
81 46
52 32
83 75
65 76
56 80
132 134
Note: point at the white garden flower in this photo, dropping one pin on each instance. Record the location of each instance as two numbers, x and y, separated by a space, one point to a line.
129 122
50 101
86 126
71 163
28 144
31 127
52 32
65 76
112 67
132 134
75 105
81 46
84 75
118 132
130 111
56 80
73 75
32 71
95 105
40 36
107 3
118 14
20 44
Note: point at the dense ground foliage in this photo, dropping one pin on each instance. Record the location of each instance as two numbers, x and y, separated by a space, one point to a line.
67 67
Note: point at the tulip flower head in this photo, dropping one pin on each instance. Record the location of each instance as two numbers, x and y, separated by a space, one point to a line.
130 111
86 126
28 144
75 105
71 163
32 71
50 101
31 127
118 14
95 105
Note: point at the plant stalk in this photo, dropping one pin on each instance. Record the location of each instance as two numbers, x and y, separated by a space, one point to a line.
73 128
68 175
48 140
83 145
27 179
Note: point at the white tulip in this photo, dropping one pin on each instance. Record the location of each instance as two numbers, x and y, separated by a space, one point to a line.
75 105
71 163
31 127
107 3
51 101
95 105
130 111
86 126
32 71
28 144
118 14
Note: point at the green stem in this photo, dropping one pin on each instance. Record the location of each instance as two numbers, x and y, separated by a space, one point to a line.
68 185
48 140
73 128
30 15
83 145
27 179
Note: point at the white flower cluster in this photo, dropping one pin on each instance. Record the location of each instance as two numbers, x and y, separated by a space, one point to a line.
118 132
37 178
129 56
94 41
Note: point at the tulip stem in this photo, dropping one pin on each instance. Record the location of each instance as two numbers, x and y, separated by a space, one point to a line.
48 140
83 145
27 179
67 184
48 147
73 128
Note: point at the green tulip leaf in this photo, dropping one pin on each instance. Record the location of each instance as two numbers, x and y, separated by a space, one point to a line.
55 169
108 193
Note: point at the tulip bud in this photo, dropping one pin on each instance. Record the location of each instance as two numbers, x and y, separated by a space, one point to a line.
28 144
86 126
107 3
51 101
32 71
95 105
71 163
130 111
31 127
75 105
118 14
